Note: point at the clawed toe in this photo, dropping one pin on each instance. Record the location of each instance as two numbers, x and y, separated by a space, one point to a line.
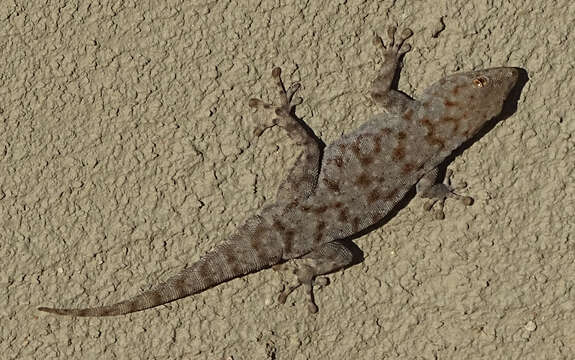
306 279
441 192
285 108
287 102
257 103
311 305
395 42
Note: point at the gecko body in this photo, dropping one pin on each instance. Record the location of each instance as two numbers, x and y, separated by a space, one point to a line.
333 193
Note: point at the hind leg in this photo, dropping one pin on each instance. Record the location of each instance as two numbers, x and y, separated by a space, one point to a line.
328 258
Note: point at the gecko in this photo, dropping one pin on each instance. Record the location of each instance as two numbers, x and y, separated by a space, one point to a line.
335 192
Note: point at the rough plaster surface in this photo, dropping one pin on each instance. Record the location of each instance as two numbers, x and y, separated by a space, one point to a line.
126 152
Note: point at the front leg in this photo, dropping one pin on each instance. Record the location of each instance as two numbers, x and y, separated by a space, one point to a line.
429 188
393 101
302 178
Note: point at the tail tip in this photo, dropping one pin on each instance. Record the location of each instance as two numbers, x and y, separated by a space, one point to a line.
51 310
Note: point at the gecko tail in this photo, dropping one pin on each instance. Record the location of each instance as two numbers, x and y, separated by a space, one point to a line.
171 290
165 293
240 256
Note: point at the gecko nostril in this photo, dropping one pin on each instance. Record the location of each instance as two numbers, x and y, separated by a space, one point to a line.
513 73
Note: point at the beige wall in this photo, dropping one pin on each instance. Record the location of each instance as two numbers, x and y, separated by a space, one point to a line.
126 152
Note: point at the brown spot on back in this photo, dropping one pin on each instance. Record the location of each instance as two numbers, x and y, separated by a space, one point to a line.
363 159
449 103
343 215
385 131
232 261
337 204
363 180
180 283
104 312
293 204
355 148
319 231
398 153
256 239
407 168
320 209
408 114
430 138
331 184
377 141
454 121
428 125
229 257
204 271
456 89
278 226
156 297
259 231
449 119
366 160
355 224
373 196
390 194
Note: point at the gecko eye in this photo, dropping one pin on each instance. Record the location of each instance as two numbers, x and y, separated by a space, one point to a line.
480 81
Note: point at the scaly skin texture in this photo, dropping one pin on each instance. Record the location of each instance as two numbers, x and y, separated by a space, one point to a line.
334 193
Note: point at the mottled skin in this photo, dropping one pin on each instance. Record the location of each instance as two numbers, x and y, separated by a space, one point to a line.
332 194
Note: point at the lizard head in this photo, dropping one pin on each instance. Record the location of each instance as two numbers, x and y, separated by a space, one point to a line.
460 104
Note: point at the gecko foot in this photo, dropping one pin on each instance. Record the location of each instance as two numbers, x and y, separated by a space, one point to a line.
396 45
284 110
439 192
306 277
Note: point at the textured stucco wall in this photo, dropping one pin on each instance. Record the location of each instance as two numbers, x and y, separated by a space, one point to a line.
126 152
